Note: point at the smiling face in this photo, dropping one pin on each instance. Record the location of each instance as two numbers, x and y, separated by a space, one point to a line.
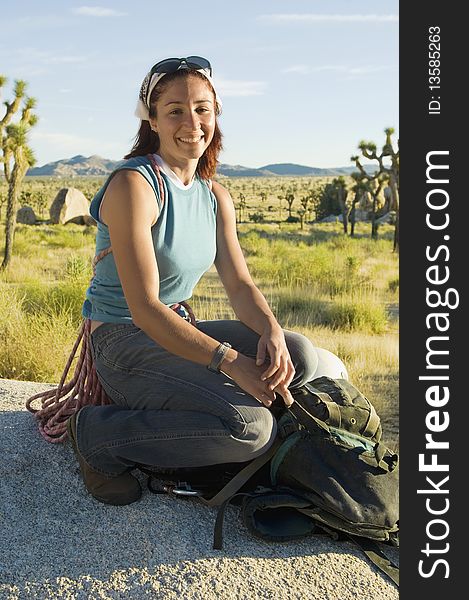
185 121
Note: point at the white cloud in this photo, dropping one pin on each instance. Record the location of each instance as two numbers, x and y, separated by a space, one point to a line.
321 18
369 69
227 87
97 11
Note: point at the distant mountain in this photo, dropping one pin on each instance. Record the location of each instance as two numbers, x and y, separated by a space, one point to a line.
96 166
289 169
286 170
77 166
240 171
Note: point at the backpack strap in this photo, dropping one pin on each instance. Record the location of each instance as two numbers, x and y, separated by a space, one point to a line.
335 418
306 419
231 489
373 422
242 477
374 553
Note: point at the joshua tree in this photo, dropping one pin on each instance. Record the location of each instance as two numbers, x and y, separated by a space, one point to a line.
280 198
360 188
375 187
17 156
241 206
305 203
366 185
387 193
290 198
3 200
390 172
301 214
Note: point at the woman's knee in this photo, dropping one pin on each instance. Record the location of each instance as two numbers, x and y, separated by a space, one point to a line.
303 355
259 433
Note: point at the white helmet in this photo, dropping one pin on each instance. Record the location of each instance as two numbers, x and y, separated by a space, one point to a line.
329 365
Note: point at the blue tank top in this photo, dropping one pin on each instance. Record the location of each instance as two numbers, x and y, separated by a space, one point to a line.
184 239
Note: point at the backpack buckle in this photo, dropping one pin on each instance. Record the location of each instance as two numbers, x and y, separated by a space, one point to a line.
182 488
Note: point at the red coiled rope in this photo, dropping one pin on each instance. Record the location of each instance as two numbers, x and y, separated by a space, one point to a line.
60 403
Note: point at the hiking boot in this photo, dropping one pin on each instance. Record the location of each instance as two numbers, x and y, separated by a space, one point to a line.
118 490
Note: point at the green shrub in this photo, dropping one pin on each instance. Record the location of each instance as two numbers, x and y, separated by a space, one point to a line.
294 307
34 347
393 284
257 217
53 300
78 269
357 315
353 264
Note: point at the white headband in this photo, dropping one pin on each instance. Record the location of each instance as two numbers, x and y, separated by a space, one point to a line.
148 84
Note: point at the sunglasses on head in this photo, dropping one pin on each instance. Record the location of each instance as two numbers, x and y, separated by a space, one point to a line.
171 65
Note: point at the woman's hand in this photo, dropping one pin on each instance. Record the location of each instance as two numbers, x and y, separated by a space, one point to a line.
252 376
243 371
280 372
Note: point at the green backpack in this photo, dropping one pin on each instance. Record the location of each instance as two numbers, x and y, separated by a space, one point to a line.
332 452
328 471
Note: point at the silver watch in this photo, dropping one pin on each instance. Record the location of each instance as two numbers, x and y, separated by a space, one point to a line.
218 357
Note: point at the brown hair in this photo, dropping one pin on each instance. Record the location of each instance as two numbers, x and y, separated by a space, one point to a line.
148 142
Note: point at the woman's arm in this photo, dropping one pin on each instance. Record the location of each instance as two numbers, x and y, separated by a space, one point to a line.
247 301
129 210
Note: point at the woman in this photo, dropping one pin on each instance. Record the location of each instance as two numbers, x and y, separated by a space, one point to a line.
167 224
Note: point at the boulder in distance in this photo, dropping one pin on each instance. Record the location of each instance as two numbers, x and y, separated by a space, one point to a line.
389 217
332 219
26 216
70 206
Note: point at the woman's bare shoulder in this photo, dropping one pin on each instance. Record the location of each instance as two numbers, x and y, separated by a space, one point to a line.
128 191
222 195
128 177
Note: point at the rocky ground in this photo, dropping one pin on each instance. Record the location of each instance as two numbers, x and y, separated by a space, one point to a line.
56 541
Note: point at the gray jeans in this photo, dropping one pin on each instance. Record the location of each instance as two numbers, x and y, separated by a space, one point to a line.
171 412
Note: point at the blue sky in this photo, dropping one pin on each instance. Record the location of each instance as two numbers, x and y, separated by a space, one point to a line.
301 81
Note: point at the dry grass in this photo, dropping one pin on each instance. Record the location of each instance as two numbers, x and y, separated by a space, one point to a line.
334 289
